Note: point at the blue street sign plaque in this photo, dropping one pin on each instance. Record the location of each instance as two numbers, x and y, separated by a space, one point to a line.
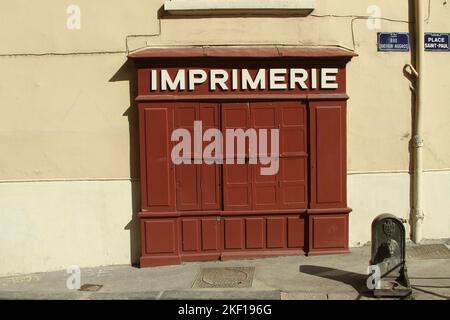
437 42
393 41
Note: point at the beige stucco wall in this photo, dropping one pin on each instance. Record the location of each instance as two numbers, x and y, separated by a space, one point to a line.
52 225
66 117
65 97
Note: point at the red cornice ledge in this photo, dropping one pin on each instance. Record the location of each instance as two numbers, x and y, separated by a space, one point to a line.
243 52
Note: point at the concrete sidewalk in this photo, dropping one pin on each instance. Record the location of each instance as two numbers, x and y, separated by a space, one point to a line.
296 277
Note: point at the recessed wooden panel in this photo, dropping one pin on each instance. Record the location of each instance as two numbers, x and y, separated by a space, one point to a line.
210 179
187 187
254 233
237 187
264 116
293 115
185 114
265 196
292 129
329 232
265 189
158 177
293 182
235 116
210 234
190 234
156 169
296 232
276 232
209 116
236 177
160 236
210 187
186 175
328 155
234 233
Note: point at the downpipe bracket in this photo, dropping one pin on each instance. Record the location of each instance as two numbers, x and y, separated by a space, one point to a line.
417 215
418 141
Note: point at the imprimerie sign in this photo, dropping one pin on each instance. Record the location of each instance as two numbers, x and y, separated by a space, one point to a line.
243 79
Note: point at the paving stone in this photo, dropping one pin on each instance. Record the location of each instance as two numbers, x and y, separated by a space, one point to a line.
18 295
344 296
150 295
219 295
303 296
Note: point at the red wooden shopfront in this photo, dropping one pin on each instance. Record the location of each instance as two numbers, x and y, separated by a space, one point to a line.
202 211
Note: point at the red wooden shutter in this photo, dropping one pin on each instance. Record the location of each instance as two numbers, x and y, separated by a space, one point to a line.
210 174
293 155
156 168
187 175
264 115
236 177
328 155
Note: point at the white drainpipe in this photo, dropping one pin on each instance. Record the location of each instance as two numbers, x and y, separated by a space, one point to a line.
417 214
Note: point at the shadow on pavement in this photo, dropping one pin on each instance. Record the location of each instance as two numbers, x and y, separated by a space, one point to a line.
356 280
419 288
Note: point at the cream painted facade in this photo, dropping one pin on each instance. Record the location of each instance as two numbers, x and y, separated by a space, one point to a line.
68 144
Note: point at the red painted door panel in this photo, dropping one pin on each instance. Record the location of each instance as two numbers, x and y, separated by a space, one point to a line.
187 184
198 183
156 168
276 232
210 187
210 234
328 155
233 233
328 232
187 188
264 116
254 233
287 189
161 236
293 156
190 234
293 182
296 232
236 177
210 178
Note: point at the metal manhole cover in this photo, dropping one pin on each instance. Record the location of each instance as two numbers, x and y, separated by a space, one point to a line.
429 251
237 277
90 287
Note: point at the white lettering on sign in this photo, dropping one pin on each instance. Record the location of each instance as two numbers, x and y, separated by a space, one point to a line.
195 77
218 81
178 82
262 79
298 76
258 82
329 78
